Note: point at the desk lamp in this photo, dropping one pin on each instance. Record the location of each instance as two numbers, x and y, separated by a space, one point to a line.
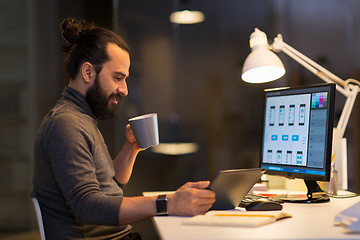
263 65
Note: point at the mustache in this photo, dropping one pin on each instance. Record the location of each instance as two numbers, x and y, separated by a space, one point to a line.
116 95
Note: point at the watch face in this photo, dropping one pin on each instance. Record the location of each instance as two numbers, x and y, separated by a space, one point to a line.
161 205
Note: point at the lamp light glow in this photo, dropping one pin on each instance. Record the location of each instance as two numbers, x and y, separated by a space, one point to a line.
176 148
263 74
174 141
187 17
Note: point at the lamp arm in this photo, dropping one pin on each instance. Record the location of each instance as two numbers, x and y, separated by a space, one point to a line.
315 70
348 88
341 85
348 106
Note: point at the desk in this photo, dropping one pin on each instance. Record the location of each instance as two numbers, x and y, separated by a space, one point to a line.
309 221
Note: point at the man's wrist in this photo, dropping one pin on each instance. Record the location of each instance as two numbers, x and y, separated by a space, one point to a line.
162 205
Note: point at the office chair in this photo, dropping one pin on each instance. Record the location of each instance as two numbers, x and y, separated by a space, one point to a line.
39 218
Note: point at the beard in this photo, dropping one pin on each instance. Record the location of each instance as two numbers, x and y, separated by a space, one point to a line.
99 101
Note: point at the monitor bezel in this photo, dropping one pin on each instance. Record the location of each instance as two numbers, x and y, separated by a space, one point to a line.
331 103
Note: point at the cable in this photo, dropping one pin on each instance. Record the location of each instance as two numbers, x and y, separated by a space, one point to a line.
350 195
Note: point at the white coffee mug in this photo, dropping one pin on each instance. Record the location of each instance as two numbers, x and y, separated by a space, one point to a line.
145 128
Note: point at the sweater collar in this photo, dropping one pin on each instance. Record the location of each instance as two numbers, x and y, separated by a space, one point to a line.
78 99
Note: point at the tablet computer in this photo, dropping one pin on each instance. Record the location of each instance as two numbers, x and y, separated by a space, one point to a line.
231 186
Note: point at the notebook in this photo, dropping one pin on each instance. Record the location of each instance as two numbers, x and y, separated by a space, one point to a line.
231 186
236 218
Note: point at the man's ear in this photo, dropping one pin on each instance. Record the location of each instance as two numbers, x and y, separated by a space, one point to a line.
88 72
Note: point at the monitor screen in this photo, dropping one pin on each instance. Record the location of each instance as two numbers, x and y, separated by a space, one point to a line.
297 131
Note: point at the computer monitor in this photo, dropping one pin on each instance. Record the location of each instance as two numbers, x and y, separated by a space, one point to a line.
297 136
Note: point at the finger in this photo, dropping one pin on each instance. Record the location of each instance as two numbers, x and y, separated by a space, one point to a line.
205 193
204 208
128 130
130 137
199 184
128 127
208 200
203 212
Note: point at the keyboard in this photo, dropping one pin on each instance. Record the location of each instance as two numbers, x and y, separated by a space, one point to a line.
253 197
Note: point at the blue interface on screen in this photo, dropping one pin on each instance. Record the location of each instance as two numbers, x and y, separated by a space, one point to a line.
295 131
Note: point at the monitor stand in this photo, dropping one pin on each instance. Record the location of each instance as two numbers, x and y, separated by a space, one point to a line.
314 194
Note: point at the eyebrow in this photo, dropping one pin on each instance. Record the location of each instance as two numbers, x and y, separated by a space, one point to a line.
120 73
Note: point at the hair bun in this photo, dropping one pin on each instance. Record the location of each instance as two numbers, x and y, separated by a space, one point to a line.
71 29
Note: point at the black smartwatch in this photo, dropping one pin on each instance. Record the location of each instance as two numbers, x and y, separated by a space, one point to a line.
161 205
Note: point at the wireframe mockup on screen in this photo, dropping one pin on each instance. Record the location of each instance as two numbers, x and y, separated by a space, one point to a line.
297 133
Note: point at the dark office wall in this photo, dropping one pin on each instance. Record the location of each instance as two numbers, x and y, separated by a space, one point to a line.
216 108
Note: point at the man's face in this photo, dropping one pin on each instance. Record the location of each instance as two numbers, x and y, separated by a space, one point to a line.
110 84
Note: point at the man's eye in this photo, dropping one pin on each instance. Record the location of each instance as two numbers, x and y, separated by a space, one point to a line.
117 79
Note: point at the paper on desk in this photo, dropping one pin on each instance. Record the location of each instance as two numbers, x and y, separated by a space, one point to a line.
236 218
350 218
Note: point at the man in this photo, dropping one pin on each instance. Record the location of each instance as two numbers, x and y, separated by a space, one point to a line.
78 185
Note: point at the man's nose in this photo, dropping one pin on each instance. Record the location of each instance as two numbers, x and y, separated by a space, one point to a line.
122 89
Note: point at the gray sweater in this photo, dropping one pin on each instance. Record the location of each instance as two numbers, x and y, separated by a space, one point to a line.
74 174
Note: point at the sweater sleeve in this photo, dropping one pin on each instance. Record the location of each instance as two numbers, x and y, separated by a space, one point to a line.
70 149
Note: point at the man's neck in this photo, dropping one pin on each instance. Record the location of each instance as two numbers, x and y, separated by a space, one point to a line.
79 86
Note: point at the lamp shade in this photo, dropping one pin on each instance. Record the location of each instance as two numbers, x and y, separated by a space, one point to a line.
262 65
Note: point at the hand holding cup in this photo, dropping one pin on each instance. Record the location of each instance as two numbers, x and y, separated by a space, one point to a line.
145 129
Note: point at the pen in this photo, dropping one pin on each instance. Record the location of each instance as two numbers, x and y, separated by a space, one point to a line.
332 162
332 158
242 215
268 194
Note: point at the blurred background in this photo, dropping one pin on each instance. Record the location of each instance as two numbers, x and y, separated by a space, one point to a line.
188 74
